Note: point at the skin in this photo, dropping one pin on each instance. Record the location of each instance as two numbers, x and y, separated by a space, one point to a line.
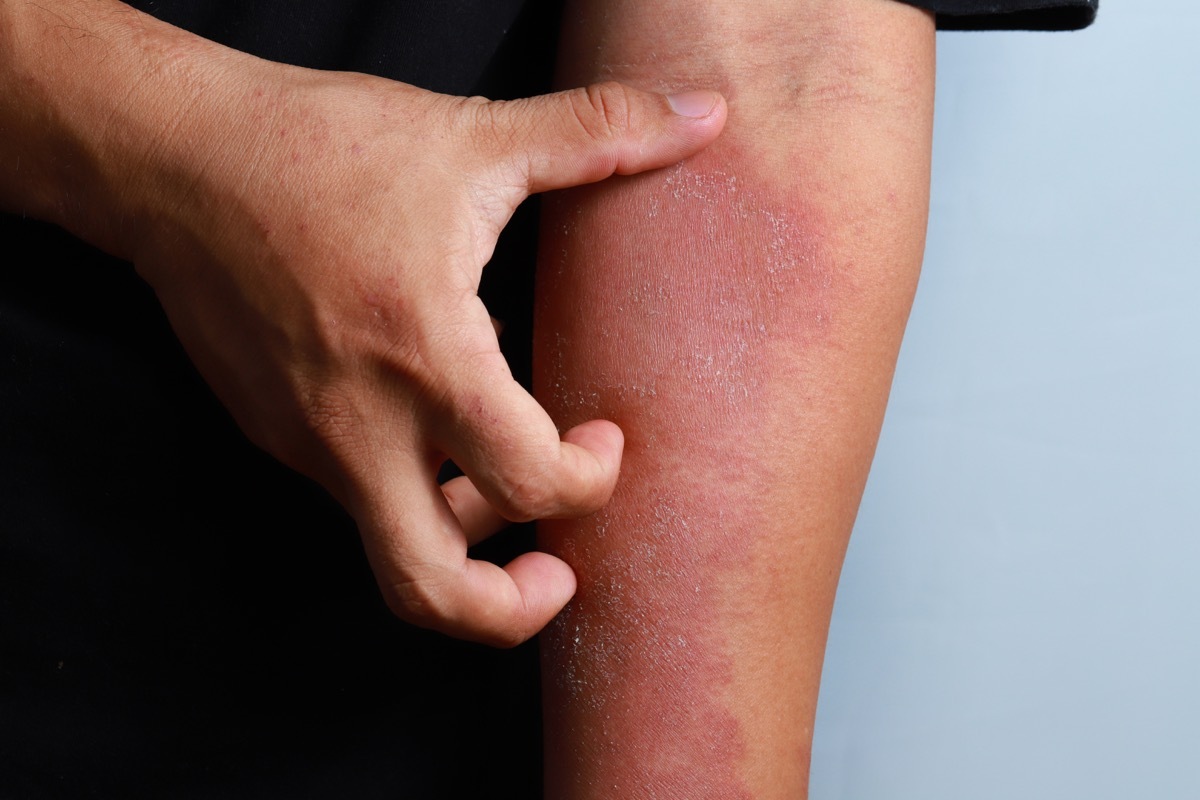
738 316
317 240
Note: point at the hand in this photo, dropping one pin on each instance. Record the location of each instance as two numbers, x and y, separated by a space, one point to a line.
317 241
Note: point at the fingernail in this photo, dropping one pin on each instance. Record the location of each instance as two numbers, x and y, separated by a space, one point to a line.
693 104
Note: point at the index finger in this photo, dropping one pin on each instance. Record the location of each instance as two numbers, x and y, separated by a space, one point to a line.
418 553
511 450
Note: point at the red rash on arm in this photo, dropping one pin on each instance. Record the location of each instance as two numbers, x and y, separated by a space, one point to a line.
684 356
738 316
678 356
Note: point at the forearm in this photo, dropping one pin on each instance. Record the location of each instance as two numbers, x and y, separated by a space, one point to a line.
739 317
118 126
86 98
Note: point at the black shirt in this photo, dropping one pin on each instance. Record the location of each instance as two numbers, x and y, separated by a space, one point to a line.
1051 15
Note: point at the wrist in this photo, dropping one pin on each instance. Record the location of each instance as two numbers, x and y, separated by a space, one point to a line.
94 102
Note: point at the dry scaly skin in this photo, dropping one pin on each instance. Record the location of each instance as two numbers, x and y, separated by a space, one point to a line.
684 511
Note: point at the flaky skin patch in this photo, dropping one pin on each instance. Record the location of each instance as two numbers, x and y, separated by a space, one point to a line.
676 345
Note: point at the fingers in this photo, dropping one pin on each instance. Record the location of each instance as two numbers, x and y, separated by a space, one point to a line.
584 135
418 553
517 465
513 455
474 513
517 468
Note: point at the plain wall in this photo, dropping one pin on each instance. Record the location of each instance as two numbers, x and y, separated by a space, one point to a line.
1019 614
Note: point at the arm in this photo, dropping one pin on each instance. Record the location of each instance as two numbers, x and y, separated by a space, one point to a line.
739 317
316 239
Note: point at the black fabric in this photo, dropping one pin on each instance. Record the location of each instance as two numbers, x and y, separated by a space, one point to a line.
1049 15
180 615
442 45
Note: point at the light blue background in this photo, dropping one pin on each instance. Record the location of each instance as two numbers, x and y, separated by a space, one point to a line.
1019 615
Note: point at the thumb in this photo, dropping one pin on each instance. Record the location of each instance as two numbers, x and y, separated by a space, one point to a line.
585 135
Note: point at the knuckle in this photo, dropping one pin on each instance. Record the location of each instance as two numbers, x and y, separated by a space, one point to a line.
483 118
330 417
507 637
397 333
329 413
492 129
603 110
424 601
417 601
531 494
410 354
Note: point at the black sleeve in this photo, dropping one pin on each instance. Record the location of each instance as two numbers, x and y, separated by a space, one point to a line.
1044 15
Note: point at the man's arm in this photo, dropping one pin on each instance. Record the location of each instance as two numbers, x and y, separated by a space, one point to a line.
739 317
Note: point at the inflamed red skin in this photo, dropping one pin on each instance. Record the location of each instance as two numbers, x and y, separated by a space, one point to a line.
738 316
680 356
